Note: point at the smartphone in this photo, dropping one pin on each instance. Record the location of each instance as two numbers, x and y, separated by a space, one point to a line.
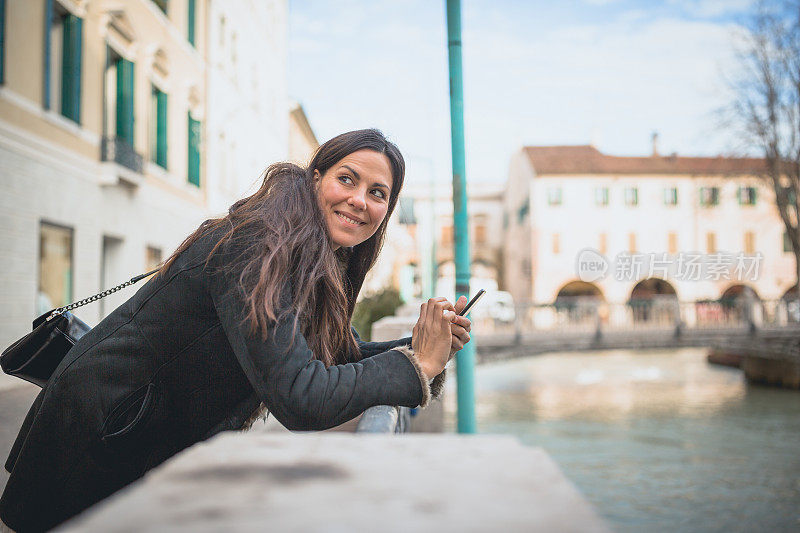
472 302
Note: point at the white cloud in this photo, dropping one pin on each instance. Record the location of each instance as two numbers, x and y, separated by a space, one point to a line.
613 84
526 80
713 8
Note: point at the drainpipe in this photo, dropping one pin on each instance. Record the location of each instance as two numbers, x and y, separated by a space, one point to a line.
465 360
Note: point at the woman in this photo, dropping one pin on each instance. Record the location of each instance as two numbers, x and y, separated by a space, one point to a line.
253 308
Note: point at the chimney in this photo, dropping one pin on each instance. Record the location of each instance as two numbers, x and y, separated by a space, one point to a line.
655 143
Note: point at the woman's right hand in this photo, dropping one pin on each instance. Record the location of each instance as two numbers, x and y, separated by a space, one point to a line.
431 336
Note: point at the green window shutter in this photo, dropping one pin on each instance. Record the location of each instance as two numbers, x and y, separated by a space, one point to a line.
2 41
161 129
191 22
48 26
194 151
71 68
125 101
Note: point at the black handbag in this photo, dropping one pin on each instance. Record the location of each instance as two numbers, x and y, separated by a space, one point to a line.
35 356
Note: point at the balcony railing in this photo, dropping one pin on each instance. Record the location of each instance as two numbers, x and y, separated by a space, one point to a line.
119 151
587 314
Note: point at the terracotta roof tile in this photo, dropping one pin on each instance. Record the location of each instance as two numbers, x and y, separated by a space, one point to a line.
587 159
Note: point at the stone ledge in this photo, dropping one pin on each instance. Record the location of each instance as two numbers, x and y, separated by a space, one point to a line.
340 482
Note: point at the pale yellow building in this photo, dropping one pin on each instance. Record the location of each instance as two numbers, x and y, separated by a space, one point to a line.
104 137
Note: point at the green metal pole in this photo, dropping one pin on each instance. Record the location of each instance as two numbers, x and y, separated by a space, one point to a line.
465 361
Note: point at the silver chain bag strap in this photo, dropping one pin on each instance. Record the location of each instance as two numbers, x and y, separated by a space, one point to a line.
35 356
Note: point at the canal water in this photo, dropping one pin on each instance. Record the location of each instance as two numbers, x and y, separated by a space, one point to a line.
655 440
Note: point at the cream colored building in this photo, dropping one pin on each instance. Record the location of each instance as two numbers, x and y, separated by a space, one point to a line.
418 254
667 211
302 140
248 108
105 145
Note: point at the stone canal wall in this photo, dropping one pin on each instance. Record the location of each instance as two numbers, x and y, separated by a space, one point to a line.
774 361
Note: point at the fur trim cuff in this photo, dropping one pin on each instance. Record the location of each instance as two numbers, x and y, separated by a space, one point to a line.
261 413
429 390
437 385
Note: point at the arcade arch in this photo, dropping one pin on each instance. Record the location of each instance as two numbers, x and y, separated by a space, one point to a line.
578 301
654 300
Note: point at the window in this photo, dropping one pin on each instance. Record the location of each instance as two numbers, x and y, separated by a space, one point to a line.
747 195
749 242
631 196
480 234
672 243
118 143
190 22
632 243
709 196
671 196
601 196
787 243
152 258
480 229
554 196
525 266
792 199
556 244
523 211
447 235
63 53
55 267
119 86
162 5
158 127
711 243
406 211
113 269
603 243
194 151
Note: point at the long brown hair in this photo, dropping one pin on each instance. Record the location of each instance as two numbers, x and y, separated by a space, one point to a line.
281 234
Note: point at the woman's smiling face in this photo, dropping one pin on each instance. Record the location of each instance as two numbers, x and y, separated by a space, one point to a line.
354 196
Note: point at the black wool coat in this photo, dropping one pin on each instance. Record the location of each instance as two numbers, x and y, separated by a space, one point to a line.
170 367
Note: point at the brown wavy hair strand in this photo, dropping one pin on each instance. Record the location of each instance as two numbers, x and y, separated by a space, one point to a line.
279 234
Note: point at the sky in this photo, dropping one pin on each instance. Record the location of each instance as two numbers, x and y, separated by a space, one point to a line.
601 72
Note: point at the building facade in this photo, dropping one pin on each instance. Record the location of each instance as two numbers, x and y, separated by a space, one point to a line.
692 227
248 108
418 256
109 114
302 140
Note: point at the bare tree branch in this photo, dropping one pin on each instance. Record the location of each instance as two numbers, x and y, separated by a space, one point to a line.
765 110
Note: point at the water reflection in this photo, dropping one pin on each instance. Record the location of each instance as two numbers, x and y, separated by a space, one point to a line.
657 440
608 386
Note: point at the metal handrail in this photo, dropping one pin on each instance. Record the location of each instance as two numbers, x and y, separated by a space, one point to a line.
575 314
384 419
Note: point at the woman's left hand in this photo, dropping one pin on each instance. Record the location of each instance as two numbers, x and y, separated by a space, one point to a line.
459 328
